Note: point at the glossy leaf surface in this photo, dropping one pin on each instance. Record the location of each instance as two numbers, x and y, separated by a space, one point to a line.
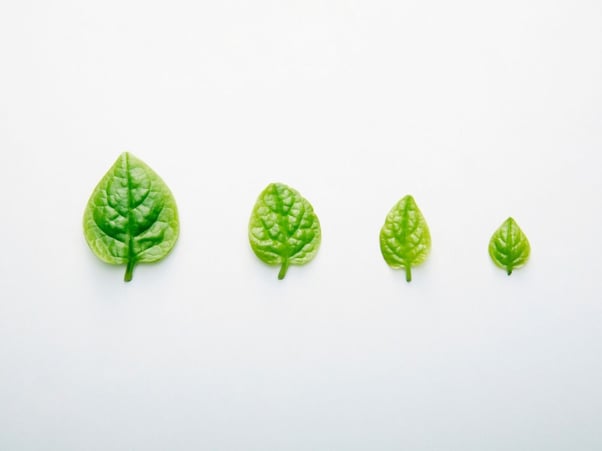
509 247
131 216
405 240
283 229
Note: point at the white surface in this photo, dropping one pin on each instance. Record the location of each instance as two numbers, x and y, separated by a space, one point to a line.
481 110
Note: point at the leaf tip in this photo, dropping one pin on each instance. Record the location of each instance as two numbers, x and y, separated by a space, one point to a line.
408 199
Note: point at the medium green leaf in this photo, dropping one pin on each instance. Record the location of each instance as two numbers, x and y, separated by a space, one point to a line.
131 216
509 247
284 230
405 240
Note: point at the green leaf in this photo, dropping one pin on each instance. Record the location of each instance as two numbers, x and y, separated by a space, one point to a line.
131 216
509 247
405 240
284 230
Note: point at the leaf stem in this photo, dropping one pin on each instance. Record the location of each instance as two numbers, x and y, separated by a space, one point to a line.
408 273
129 270
283 269
509 270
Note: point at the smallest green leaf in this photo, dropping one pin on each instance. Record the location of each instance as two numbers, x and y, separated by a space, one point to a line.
509 247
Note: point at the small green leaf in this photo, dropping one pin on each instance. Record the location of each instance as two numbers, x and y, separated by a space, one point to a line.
509 247
131 216
405 240
284 230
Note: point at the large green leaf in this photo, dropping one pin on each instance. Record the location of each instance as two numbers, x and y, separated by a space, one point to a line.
284 230
131 216
405 240
509 247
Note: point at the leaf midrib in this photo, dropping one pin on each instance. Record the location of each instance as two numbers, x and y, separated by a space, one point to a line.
282 223
130 216
407 229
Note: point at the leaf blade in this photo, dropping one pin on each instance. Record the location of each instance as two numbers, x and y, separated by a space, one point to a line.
283 228
131 216
405 239
509 247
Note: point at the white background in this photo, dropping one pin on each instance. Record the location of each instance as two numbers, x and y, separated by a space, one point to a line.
481 110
